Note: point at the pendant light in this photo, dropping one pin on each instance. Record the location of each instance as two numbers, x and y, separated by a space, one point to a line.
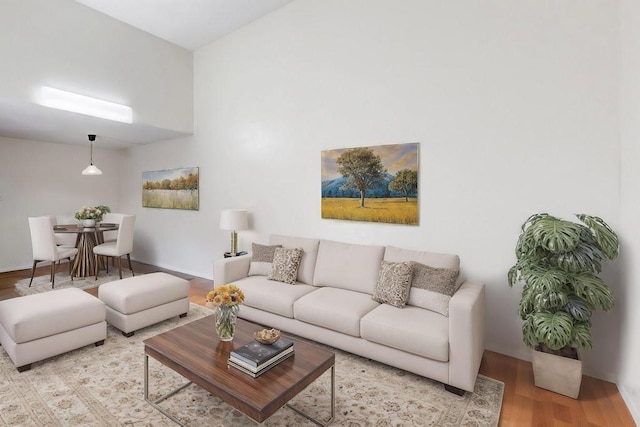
91 169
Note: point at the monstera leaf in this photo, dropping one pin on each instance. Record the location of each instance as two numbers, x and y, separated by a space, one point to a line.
593 290
547 288
582 335
578 308
603 234
555 330
556 235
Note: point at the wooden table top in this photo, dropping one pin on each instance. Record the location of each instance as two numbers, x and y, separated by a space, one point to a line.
194 351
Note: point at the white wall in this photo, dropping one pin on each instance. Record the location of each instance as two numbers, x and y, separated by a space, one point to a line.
514 104
66 45
629 377
38 178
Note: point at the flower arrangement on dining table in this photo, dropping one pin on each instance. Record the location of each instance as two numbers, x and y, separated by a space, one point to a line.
227 299
92 212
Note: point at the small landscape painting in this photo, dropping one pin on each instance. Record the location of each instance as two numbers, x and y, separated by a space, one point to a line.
377 184
171 189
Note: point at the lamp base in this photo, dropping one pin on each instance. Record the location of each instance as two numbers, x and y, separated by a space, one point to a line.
234 242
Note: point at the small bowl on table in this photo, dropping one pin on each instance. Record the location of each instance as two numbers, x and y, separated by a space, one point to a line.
267 336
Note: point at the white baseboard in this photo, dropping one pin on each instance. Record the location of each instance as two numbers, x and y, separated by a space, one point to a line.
200 274
632 400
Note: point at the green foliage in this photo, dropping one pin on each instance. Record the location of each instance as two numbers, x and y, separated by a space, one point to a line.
362 168
592 290
555 236
578 308
553 329
585 257
604 235
405 182
557 263
582 335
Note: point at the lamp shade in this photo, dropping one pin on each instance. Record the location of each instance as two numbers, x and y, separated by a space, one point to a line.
91 170
234 219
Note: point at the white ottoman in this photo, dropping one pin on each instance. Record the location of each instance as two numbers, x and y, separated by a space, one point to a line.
137 302
36 327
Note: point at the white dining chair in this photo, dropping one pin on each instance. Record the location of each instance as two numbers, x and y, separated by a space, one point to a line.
43 244
67 240
122 246
111 218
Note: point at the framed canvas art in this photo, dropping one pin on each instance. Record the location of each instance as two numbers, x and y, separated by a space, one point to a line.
171 189
377 184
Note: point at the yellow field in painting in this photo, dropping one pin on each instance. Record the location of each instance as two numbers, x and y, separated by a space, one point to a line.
393 210
170 199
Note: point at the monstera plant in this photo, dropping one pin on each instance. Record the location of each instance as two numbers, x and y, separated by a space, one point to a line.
558 263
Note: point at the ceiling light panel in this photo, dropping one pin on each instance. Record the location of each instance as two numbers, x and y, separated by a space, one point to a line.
68 101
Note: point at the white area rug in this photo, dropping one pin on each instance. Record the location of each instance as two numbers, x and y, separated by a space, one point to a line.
43 284
103 386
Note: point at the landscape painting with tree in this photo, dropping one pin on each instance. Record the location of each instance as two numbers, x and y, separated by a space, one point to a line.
171 189
378 184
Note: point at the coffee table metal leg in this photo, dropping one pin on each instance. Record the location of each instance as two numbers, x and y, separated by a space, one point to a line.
154 403
333 403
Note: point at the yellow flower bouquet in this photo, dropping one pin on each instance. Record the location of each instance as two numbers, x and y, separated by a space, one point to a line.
225 294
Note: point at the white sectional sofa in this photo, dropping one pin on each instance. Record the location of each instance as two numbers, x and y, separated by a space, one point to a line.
331 302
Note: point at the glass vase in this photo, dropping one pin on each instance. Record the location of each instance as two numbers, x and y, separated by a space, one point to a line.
226 317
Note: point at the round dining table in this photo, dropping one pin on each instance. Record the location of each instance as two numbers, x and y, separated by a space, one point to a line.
84 263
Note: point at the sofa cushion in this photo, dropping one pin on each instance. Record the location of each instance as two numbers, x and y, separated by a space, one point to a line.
432 288
336 309
412 329
285 265
259 293
309 255
393 283
393 254
261 259
348 266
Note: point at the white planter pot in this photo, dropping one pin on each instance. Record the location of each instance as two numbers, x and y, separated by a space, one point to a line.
556 373
88 222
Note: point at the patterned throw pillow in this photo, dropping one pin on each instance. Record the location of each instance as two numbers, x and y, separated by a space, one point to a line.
432 287
394 283
261 259
285 265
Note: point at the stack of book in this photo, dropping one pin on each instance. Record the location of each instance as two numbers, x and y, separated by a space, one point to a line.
256 358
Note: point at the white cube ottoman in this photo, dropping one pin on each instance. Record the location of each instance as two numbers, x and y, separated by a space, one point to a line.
137 302
36 327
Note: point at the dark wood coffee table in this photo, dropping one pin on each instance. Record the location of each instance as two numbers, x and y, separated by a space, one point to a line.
194 351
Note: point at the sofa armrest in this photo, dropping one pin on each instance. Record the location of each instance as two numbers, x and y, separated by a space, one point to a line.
227 270
466 334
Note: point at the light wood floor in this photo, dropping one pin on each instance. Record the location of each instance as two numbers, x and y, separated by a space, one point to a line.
599 404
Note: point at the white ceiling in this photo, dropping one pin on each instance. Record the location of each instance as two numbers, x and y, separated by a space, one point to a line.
191 24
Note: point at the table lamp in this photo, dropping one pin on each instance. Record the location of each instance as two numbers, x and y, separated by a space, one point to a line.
234 219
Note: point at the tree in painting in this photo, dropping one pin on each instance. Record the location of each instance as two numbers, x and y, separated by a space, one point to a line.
362 168
405 182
